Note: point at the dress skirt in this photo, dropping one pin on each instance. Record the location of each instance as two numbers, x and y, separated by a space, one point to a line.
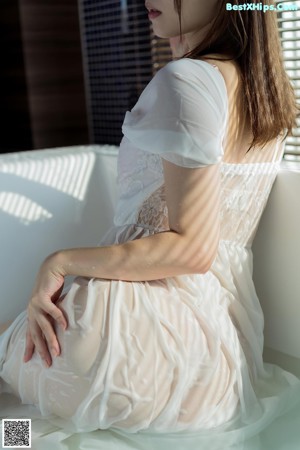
178 354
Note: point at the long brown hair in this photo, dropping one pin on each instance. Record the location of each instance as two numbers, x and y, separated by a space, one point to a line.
251 38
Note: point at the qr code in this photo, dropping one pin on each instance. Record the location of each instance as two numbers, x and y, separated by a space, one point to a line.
16 433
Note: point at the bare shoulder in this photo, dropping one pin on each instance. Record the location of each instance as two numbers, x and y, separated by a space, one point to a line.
229 70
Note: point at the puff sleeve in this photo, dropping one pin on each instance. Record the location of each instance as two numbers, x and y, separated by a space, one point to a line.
181 114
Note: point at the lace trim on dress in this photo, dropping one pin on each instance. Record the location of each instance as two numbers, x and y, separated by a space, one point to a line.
245 190
154 212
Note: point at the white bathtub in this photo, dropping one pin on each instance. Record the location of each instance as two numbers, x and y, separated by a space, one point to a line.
65 197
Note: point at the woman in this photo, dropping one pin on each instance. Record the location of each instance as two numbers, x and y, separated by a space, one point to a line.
162 330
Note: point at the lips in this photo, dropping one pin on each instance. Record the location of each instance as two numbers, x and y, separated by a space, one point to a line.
151 8
153 13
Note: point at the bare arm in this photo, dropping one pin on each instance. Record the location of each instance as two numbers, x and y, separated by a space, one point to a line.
189 247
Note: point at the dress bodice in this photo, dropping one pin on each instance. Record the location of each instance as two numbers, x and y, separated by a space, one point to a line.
182 117
244 194
245 189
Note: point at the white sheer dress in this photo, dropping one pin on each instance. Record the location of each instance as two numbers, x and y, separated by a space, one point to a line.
178 354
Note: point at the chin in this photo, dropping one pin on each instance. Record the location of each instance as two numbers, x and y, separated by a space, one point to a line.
159 34
162 34
165 32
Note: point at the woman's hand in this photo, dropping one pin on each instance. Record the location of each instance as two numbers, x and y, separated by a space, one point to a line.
42 311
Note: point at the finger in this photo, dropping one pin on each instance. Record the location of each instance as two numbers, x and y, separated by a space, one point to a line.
40 344
29 347
50 335
56 313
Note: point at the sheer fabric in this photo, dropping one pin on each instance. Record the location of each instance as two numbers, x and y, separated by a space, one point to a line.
179 354
181 115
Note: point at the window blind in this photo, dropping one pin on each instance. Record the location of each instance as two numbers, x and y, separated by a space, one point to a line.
289 29
161 52
117 62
